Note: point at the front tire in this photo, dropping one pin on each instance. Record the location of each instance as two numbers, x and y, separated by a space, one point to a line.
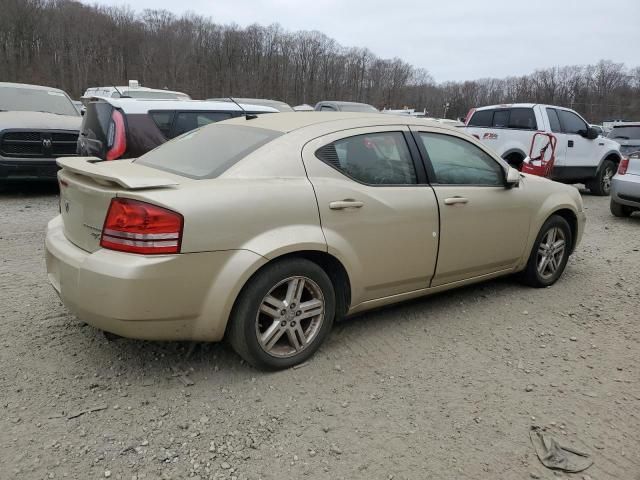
620 210
601 184
550 253
283 314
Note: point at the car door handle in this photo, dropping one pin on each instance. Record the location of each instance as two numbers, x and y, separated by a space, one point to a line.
570 143
456 201
342 204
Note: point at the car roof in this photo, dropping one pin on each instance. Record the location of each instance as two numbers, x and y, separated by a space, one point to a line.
138 105
341 102
29 86
267 102
127 88
290 121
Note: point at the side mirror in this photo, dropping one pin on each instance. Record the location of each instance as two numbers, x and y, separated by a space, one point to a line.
513 178
591 133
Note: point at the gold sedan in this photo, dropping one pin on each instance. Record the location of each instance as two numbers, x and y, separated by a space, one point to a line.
265 230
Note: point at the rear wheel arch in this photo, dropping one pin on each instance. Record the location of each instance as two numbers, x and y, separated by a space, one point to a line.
332 267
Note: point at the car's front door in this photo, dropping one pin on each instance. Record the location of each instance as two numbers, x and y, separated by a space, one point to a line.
483 225
580 150
379 216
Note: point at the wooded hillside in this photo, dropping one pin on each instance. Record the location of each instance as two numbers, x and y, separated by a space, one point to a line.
73 46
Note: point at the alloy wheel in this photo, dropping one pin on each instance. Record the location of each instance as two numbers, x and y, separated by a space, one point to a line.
551 252
290 316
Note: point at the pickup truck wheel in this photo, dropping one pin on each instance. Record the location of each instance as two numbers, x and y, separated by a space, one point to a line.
549 254
515 160
601 184
620 210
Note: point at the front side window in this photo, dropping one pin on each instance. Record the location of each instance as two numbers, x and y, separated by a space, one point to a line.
327 108
374 158
458 162
571 123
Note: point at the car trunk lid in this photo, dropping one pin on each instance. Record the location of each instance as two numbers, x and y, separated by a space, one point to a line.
87 186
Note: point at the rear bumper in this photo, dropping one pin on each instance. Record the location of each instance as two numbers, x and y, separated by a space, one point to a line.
625 190
28 169
162 297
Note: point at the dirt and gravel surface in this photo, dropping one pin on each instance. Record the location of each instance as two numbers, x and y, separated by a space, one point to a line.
445 387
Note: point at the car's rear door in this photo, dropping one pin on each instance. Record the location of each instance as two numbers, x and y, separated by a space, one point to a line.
483 225
378 214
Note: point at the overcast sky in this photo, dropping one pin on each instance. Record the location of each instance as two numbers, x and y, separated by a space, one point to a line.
453 39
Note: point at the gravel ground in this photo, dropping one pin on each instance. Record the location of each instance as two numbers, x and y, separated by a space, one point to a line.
445 387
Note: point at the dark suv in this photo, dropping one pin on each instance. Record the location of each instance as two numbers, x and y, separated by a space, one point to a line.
115 128
37 125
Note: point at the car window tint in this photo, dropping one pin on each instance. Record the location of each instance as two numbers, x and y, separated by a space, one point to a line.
163 121
571 123
501 118
523 119
482 118
374 158
458 162
554 121
327 108
187 121
207 152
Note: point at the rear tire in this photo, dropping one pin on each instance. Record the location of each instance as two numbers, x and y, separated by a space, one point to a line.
601 184
515 160
620 210
283 314
549 254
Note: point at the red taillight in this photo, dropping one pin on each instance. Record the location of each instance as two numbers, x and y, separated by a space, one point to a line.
139 227
624 164
116 136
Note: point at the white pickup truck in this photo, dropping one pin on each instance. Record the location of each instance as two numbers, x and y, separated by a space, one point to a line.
581 156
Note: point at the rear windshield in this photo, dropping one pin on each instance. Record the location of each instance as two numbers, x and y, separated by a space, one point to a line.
207 152
358 108
36 100
625 133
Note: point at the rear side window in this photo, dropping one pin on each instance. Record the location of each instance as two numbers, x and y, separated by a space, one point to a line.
208 152
501 118
554 121
482 118
522 119
625 133
374 158
95 123
163 121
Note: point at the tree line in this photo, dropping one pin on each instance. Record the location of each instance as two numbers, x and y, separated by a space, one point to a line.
73 46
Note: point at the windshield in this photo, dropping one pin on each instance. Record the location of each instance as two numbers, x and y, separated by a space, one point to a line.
154 95
209 151
36 100
625 133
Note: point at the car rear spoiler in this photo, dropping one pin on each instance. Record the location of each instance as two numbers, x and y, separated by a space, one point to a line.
122 172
